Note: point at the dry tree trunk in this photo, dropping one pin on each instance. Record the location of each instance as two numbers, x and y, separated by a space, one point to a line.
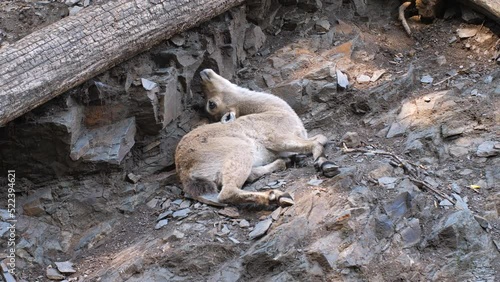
57 58
491 8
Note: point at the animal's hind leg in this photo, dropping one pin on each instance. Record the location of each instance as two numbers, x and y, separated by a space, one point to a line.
329 168
235 172
234 195
259 171
314 145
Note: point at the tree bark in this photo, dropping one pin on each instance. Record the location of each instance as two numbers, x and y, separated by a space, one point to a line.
491 8
59 57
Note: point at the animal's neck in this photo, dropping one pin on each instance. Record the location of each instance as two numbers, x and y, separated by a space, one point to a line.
252 102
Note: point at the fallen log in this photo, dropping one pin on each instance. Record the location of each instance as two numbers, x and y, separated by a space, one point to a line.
490 8
50 61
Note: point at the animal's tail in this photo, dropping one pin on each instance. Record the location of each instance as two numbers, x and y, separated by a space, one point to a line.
196 187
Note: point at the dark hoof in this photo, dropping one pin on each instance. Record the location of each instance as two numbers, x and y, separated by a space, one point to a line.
285 200
288 162
329 169
210 199
299 160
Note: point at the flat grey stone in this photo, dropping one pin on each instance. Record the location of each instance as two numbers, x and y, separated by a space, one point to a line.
4 227
177 235
396 130
164 215
351 139
412 234
322 26
108 144
466 32
65 267
427 79
178 40
177 202
276 213
388 182
185 204
134 178
452 129
399 206
342 80
482 221
377 75
148 84
363 78
254 39
445 203
225 230
244 223
487 149
457 151
71 2
54 274
261 228
231 212
315 182
460 202
181 213
4 214
75 9
161 223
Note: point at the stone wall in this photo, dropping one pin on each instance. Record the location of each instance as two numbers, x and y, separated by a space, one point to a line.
131 117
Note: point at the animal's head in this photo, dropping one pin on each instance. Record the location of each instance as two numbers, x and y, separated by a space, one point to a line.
221 96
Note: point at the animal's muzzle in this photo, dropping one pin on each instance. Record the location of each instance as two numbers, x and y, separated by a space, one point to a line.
205 75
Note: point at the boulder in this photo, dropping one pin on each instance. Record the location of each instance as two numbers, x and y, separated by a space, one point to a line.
310 6
254 39
488 149
294 94
108 144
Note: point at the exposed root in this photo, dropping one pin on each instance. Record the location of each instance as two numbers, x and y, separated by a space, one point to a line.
402 9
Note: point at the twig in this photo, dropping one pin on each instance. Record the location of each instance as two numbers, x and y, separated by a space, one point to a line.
481 27
402 9
402 163
378 152
446 79
435 191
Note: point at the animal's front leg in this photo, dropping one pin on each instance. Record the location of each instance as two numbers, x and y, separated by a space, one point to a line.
234 195
328 168
258 172
313 145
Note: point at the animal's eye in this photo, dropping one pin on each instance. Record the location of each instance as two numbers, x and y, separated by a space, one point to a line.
211 105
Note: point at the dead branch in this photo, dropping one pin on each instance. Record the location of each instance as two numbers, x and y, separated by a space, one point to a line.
404 164
426 186
399 161
56 58
446 79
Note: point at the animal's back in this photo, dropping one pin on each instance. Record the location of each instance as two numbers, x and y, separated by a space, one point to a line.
205 152
255 129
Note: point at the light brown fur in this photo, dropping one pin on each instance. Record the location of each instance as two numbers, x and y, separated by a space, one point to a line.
244 146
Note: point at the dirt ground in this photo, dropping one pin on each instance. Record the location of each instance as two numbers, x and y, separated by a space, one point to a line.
468 64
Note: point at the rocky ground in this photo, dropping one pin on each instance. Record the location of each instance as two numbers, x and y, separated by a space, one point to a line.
416 133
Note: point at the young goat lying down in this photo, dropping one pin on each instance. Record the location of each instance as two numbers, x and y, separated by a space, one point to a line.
256 130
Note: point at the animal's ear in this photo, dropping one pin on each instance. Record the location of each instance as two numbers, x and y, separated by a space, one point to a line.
228 117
